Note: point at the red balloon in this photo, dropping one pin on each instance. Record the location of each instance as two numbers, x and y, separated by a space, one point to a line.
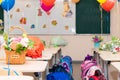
46 8
48 2
108 5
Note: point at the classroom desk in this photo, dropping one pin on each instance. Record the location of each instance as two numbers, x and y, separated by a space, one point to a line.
29 66
117 66
16 78
45 57
96 54
55 51
106 57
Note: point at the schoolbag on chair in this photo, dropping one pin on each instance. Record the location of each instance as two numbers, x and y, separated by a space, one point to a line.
58 72
66 62
90 68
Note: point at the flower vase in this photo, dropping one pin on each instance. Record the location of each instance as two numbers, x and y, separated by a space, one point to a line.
96 44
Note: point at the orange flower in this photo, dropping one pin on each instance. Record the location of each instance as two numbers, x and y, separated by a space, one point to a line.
13 45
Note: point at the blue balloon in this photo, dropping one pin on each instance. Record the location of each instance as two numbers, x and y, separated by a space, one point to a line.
7 4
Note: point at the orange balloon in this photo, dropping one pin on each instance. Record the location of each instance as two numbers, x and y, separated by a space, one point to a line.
48 2
75 1
108 5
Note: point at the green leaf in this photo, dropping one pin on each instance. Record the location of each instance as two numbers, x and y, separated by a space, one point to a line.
20 48
5 36
31 44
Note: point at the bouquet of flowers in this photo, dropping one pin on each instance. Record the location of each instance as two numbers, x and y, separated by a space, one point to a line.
17 44
97 39
113 45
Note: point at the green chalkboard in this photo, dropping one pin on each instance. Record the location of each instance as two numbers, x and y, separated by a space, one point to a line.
91 18
1 18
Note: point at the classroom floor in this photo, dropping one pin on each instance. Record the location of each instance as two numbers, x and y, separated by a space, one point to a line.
76 72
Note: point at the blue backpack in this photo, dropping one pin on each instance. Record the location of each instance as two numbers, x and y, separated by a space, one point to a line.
59 76
58 72
66 62
61 71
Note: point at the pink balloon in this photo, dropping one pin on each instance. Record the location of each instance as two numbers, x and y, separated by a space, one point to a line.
108 5
46 8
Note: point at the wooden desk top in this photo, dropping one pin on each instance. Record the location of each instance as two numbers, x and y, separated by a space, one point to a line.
29 66
109 56
53 50
16 78
116 65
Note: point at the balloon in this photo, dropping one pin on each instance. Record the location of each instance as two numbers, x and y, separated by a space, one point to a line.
108 5
46 8
75 1
101 1
48 2
0 1
7 4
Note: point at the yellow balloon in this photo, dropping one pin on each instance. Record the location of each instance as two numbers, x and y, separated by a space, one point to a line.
101 1
0 1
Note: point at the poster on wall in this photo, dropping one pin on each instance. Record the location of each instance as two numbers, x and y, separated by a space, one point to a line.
38 18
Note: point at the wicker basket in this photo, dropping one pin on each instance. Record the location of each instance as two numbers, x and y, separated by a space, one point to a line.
15 58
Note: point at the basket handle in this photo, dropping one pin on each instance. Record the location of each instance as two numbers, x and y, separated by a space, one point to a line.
17 27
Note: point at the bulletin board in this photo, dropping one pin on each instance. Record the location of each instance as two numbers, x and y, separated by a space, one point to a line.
29 15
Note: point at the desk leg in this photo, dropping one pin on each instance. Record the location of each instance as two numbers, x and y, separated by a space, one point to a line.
40 77
53 59
97 57
118 75
101 62
105 67
58 55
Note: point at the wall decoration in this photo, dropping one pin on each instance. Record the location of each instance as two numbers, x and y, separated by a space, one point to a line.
67 11
54 22
30 15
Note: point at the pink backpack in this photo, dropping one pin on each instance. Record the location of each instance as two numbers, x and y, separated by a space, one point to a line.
88 68
85 66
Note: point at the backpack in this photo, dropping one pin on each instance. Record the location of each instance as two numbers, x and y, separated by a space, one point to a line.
86 64
97 76
96 73
58 72
66 62
88 68
59 76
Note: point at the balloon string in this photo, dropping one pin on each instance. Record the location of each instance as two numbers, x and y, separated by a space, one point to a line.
101 17
8 20
107 20
8 25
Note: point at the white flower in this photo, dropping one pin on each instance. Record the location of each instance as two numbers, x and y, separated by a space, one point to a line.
24 42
